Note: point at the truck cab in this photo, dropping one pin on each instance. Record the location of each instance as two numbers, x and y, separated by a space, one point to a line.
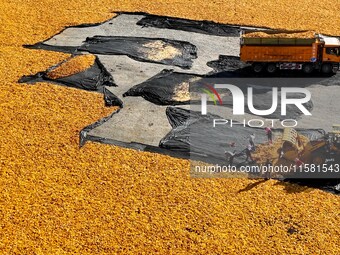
331 52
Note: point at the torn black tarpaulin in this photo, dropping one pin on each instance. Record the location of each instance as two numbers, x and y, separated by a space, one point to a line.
187 128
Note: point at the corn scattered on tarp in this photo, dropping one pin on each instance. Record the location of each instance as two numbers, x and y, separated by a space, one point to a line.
159 50
57 199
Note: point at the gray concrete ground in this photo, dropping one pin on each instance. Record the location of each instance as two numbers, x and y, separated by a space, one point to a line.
138 121
326 110
143 122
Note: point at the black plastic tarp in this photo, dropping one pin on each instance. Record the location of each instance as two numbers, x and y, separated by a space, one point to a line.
160 89
44 46
165 87
156 50
203 27
191 137
111 99
153 50
228 63
92 79
194 134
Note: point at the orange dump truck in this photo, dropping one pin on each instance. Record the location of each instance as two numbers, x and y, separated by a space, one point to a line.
304 51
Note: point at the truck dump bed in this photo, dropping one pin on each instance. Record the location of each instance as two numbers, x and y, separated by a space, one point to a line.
278 47
255 53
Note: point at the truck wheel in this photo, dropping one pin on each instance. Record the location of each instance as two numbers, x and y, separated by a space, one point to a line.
326 68
271 68
307 68
257 67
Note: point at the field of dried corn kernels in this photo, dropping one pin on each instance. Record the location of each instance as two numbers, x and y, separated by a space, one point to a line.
57 199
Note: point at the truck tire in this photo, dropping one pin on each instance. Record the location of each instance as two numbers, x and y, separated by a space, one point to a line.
326 68
307 68
271 68
257 67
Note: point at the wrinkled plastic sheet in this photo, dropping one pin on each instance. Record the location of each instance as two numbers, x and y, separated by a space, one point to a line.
333 80
160 89
166 88
184 122
44 46
136 48
203 27
192 133
95 78
92 79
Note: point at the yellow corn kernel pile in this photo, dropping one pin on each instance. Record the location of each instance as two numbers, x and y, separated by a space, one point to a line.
72 66
307 34
58 199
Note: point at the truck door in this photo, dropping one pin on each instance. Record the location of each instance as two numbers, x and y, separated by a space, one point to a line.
331 54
